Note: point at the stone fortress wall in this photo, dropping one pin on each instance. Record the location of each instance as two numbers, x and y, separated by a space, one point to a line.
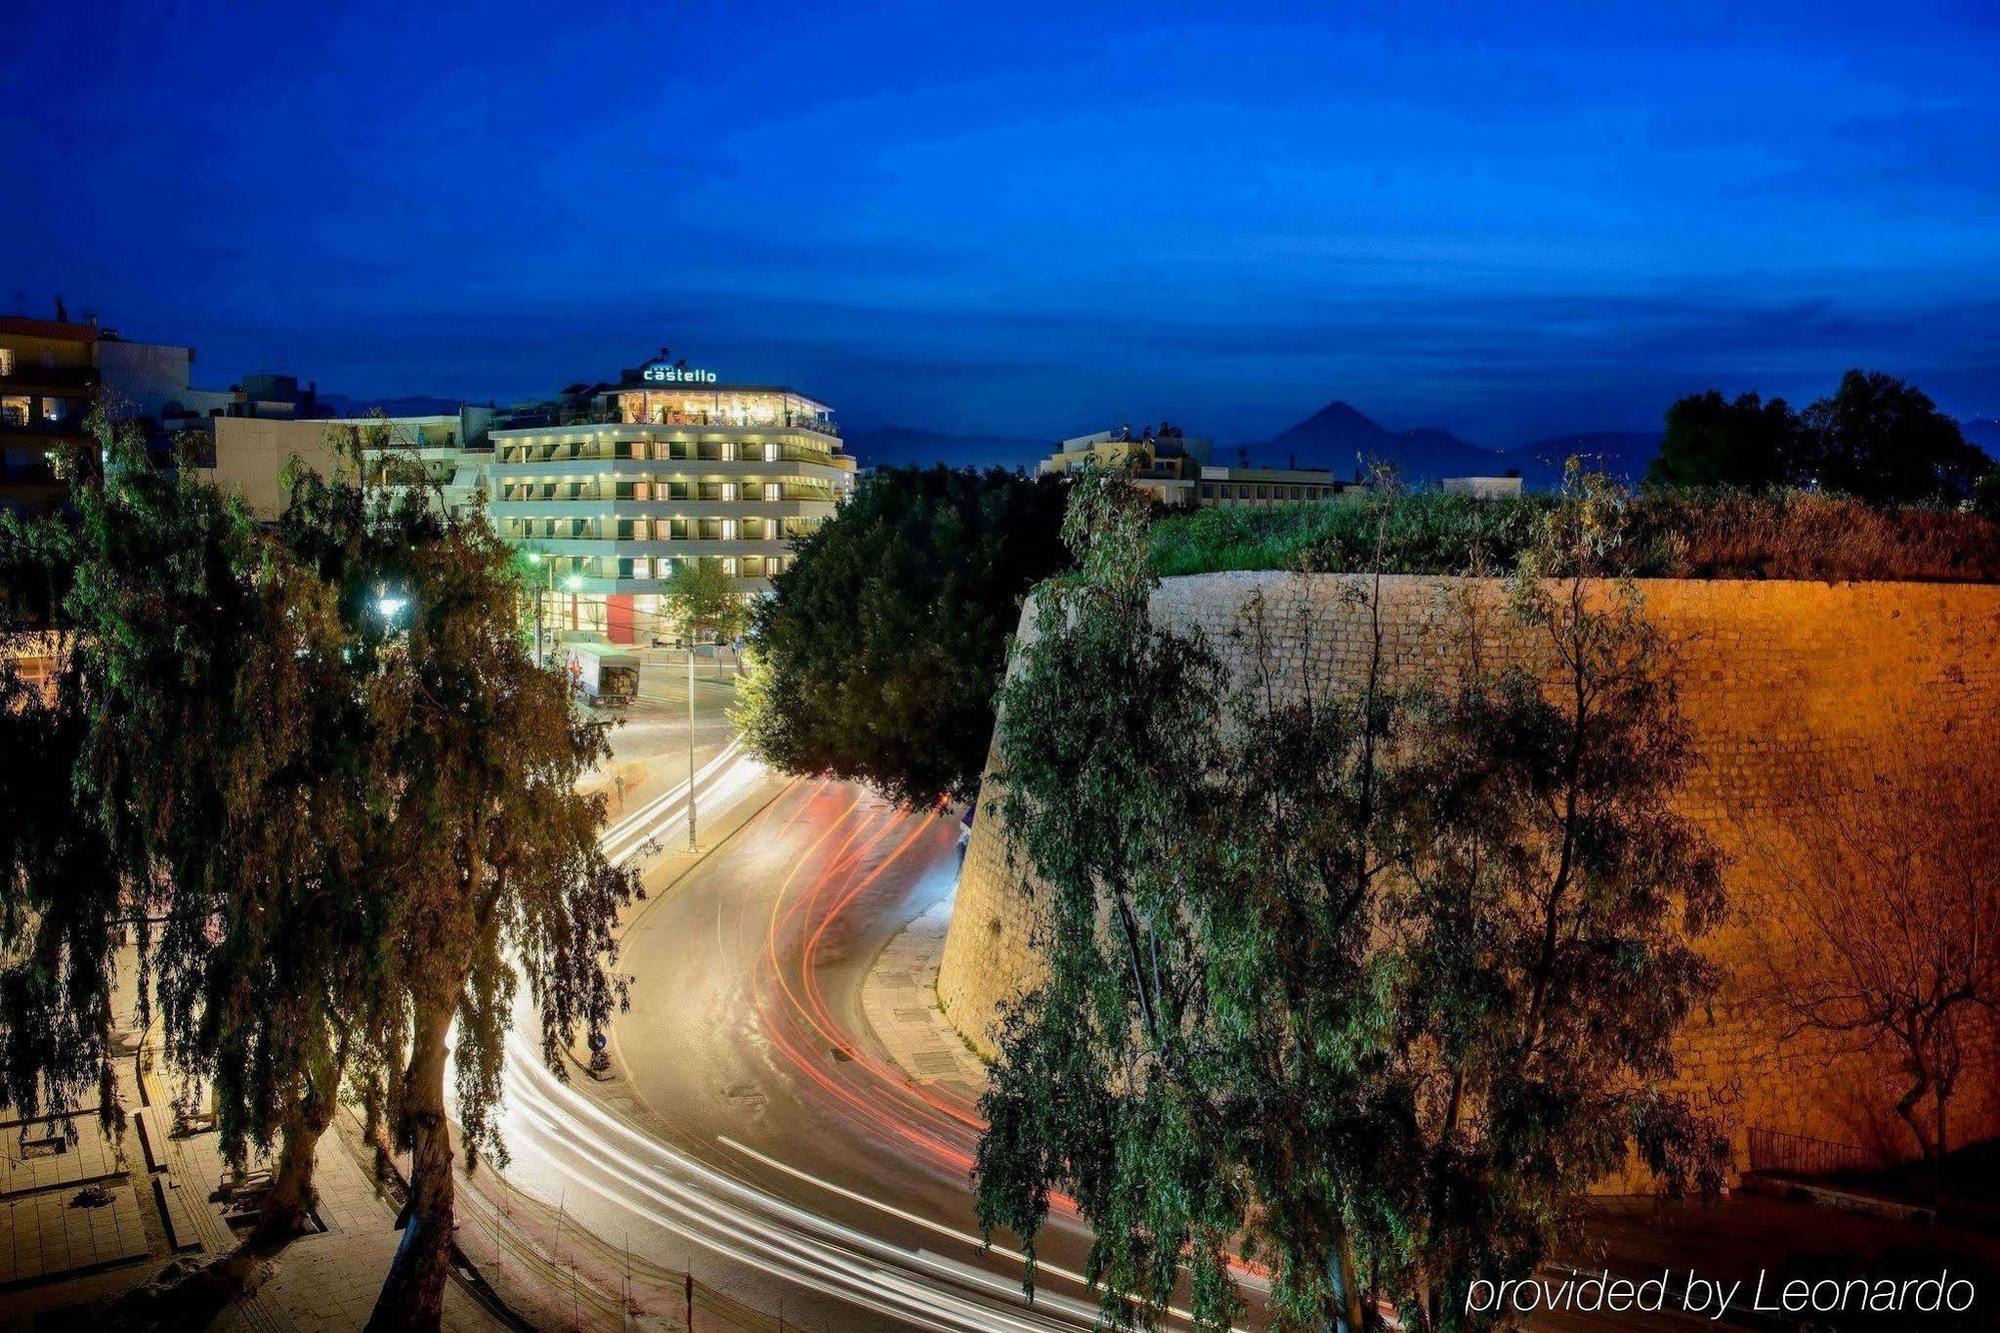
1768 672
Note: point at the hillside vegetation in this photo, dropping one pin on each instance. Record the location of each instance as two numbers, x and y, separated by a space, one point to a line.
1673 534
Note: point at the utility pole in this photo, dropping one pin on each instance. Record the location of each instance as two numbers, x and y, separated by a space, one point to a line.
691 843
536 558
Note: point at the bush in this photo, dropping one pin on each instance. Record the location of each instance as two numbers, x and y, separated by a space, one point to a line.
1429 533
1671 534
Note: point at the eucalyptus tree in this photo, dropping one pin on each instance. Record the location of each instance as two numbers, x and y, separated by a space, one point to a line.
227 761
1363 978
60 899
1538 944
488 855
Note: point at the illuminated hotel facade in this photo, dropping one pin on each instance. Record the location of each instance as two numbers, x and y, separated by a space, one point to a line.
615 484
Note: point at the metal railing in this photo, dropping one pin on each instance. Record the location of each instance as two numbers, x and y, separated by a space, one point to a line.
545 420
1784 1154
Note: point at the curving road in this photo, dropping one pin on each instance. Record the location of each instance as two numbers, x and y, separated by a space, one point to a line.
762 1138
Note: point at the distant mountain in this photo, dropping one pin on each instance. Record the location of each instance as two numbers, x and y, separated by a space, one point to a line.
1623 455
1984 432
1338 437
1344 440
902 446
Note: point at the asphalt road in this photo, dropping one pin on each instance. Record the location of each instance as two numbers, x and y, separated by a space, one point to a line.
762 1137
765 1140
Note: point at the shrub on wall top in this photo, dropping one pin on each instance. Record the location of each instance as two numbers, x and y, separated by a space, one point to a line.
1674 534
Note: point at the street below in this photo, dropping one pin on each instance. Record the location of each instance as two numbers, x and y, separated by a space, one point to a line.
760 1135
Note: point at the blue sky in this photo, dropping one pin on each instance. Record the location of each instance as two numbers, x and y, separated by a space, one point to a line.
1031 221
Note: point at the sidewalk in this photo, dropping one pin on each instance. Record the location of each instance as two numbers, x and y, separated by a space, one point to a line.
86 1222
899 1001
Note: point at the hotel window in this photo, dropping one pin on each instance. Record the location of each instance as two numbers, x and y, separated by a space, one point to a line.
752 529
14 411
772 452
680 449
679 490
711 529
773 491
753 567
716 451
6 360
677 529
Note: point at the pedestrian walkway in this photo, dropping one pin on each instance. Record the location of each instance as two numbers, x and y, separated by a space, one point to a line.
899 1000
87 1219
329 1281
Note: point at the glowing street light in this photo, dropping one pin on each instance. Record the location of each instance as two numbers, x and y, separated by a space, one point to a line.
390 606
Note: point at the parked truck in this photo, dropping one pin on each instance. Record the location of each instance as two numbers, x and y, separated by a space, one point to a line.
607 676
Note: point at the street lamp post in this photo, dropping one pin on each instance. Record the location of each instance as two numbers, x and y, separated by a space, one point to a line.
535 558
691 843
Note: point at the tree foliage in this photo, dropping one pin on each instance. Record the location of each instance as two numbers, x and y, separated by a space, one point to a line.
497 870
1712 441
880 648
1367 977
1885 440
60 894
702 597
1875 437
317 773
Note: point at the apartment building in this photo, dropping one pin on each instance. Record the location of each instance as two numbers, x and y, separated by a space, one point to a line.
1163 463
52 372
615 484
444 453
1251 487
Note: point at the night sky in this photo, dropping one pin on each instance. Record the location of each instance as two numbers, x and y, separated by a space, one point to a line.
1034 222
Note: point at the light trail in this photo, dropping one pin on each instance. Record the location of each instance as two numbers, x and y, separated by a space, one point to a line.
657 1183
668 810
574 1143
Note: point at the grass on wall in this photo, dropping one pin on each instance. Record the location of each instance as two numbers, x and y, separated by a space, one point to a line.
1673 534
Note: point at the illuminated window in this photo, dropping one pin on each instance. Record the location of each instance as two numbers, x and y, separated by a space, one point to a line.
14 411
6 360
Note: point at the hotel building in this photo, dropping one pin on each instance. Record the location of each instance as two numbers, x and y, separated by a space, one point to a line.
615 484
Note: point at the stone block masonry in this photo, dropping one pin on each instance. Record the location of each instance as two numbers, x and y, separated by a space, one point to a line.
1769 674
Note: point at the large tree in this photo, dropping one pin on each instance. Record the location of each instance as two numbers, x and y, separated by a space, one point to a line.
1368 978
1713 441
497 869
701 596
60 893
227 758
879 650
1884 440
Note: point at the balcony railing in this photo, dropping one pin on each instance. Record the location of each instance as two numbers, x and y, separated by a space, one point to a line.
509 495
813 421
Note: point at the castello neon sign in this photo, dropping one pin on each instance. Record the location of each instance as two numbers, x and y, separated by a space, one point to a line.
678 375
